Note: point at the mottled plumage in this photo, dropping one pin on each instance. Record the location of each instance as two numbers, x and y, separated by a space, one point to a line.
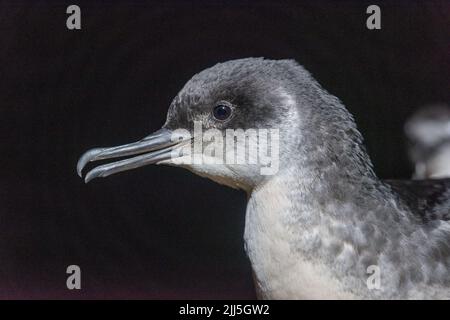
428 134
314 228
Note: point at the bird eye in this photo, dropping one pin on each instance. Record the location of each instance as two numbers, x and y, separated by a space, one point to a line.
222 112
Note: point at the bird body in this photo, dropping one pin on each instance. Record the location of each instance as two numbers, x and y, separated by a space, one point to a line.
315 227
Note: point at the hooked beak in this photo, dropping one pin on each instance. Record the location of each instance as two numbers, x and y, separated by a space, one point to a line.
154 148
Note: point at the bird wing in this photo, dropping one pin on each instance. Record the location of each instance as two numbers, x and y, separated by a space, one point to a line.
428 198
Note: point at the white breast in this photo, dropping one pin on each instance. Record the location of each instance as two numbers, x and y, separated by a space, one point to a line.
280 270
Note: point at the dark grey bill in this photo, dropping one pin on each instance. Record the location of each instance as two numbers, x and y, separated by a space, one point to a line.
152 149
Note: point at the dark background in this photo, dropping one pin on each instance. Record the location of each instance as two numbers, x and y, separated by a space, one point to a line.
162 232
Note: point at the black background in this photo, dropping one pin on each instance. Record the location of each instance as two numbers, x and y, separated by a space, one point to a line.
161 232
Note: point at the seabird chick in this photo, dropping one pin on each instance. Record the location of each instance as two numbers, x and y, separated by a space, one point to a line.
428 134
323 226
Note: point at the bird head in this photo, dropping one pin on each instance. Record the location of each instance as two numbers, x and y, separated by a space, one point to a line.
235 123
